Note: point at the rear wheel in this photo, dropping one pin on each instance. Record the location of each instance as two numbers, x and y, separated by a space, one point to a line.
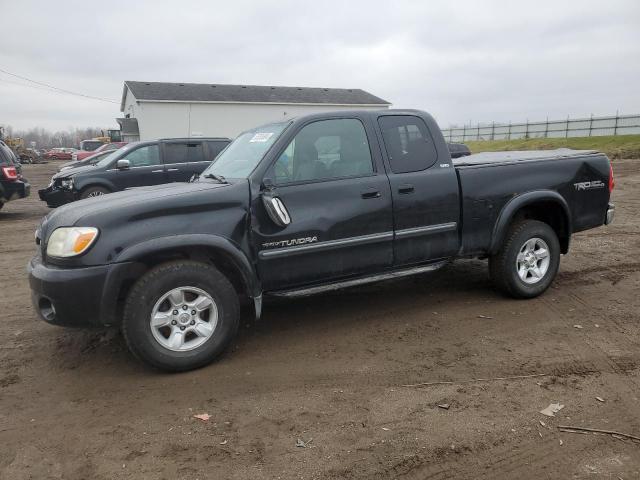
528 260
180 316
91 192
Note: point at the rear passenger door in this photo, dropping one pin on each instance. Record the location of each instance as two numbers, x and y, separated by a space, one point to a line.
424 188
183 159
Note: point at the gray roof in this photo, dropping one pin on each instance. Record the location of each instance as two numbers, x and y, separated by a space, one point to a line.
207 92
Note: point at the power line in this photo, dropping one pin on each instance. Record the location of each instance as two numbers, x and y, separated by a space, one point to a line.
27 85
56 89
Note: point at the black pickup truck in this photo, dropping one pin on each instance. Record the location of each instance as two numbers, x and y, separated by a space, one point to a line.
304 206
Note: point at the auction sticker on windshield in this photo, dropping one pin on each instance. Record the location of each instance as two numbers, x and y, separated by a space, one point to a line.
261 137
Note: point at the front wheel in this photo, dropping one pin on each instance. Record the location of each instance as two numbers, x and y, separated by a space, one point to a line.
180 316
91 192
528 261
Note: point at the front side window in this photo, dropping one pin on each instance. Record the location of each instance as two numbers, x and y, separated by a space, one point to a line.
183 152
408 142
325 150
144 156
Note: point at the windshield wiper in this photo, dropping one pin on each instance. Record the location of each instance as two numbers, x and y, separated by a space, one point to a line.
218 178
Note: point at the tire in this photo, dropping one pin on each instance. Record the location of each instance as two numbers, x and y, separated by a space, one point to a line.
513 268
153 345
95 191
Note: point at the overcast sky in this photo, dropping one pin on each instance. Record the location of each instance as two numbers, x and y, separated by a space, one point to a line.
462 60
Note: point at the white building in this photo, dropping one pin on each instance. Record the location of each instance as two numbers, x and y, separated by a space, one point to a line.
155 110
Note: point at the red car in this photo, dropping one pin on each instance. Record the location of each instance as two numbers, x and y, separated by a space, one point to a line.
59 154
82 154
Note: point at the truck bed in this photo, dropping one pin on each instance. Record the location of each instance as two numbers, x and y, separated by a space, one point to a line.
488 181
493 158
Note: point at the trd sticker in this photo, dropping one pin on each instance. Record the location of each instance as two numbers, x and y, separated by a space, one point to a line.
290 243
589 185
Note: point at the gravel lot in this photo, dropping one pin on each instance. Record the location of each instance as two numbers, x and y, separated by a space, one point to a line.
330 371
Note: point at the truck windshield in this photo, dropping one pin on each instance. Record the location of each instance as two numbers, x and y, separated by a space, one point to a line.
242 155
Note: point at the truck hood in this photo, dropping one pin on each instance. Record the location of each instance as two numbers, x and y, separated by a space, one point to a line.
141 201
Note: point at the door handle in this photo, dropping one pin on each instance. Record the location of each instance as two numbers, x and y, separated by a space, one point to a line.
157 171
370 194
172 169
406 188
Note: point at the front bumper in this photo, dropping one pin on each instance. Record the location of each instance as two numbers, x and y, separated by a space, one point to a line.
56 196
77 297
611 213
15 190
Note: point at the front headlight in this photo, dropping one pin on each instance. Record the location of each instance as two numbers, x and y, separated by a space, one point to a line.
67 183
71 241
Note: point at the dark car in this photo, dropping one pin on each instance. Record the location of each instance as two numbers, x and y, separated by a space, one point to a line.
305 206
92 160
137 164
458 150
12 184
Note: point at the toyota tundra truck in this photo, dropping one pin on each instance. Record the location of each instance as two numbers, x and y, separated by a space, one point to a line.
304 206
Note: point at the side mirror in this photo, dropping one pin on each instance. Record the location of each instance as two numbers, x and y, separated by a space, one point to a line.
275 209
123 164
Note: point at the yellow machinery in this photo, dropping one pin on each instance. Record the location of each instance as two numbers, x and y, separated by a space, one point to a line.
17 145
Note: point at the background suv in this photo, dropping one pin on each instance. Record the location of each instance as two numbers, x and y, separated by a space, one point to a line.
137 164
12 184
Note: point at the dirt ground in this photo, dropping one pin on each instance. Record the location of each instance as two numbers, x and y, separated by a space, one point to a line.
330 370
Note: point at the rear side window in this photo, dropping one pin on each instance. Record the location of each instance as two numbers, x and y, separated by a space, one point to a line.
408 142
215 148
183 152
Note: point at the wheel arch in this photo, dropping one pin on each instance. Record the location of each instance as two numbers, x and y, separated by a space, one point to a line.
84 185
225 255
544 205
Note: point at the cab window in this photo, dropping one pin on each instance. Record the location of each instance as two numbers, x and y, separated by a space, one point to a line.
323 150
409 145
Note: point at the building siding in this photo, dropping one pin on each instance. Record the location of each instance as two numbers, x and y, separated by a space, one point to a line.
167 119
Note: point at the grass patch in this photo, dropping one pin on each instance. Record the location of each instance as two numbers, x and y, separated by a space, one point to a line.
618 146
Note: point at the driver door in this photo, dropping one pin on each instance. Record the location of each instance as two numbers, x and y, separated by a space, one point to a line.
338 202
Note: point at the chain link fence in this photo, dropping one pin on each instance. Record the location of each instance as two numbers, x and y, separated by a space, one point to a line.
570 127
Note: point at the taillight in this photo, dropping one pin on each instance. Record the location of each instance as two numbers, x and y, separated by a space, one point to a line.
612 183
10 173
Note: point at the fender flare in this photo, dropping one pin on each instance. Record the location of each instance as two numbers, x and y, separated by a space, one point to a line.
214 242
516 203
